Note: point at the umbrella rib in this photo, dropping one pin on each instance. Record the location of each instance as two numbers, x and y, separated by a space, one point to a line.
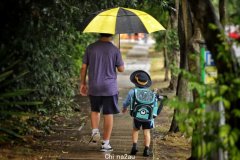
124 15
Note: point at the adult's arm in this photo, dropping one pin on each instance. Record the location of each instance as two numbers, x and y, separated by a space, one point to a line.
83 84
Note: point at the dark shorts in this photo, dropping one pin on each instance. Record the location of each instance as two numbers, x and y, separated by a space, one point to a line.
145 125
106 104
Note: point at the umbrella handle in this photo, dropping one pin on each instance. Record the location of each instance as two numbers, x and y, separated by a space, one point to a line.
119 41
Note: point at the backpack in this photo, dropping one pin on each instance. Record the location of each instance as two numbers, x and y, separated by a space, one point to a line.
144 104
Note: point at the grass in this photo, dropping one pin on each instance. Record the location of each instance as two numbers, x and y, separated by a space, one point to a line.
157 70
166 145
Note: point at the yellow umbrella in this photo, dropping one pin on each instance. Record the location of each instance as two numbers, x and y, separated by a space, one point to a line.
121 20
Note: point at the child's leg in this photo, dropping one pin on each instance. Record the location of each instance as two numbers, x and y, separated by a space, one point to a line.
135 131
147 137
147 140
135 135
134 139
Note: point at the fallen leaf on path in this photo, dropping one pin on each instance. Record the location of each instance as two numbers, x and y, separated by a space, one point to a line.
64 152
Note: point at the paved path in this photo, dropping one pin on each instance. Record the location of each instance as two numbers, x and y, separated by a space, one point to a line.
137 59
121 135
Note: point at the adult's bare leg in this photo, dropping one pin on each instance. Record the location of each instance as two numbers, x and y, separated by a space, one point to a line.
95 119
107 126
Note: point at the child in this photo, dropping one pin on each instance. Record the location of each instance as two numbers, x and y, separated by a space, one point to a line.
142 81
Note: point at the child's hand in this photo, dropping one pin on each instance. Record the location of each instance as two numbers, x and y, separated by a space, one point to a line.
124 110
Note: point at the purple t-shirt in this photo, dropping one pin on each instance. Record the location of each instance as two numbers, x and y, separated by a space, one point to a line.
102 59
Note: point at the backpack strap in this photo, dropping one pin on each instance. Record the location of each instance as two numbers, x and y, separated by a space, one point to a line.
155 107
160 98
160 107
133 100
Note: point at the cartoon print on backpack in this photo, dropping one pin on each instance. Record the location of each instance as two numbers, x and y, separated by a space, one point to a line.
143 113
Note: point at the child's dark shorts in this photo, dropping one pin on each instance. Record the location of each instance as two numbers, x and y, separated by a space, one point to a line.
145 125
108 104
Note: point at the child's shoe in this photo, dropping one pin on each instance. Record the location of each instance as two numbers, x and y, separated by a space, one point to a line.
134 151
146 152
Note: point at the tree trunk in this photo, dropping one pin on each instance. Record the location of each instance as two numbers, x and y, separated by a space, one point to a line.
204 13
222 11
166 65
189 34
182 91
174 125
174 56
194 68
166 56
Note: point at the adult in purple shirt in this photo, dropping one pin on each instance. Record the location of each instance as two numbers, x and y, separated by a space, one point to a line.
102 60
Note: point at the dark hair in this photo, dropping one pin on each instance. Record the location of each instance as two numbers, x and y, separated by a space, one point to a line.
105 35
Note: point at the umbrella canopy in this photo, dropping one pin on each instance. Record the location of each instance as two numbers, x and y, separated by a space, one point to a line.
121 20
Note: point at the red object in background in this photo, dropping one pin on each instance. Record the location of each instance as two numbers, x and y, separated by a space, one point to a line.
234 35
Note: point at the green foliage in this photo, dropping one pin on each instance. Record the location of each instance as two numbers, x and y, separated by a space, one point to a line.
203 115
41 51
201 118
172 40
233 11
13 105
160 10
171 43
